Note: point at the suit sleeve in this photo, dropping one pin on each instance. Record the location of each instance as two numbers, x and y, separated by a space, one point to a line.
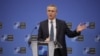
70 33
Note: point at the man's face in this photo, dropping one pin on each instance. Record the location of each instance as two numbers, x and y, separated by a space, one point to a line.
51 12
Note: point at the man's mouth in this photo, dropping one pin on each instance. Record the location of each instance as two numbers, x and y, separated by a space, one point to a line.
50 15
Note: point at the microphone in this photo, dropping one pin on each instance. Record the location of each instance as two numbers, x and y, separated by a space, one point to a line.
57 44
36 27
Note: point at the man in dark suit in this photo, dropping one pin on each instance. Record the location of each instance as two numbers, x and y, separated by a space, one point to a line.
53 27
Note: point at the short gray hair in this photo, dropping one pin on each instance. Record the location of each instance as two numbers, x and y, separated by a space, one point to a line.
52 5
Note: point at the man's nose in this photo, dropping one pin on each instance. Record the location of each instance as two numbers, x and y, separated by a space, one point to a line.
50 12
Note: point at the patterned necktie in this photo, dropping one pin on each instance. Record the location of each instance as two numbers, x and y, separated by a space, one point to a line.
51 32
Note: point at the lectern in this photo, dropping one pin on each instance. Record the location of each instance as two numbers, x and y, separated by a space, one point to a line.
50 46
35 48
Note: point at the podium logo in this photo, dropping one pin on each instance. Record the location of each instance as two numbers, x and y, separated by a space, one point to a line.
69 50
1 50
42 50
0 25
21 50
69 24
20 25
90 50
7 37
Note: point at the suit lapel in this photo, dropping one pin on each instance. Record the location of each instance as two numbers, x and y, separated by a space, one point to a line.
47 29
57 28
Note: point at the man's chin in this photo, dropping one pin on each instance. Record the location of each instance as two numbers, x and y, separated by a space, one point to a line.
51 18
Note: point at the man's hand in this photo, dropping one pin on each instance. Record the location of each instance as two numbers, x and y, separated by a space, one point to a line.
81 27
47 39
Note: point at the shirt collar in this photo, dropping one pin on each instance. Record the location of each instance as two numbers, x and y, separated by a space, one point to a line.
54 20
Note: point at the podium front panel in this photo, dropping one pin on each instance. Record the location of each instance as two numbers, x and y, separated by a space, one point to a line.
34 48
48 48
43 49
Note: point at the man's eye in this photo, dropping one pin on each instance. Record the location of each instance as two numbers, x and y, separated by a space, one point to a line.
51 11
48 10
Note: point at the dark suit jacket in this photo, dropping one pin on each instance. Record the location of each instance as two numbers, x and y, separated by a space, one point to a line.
62 30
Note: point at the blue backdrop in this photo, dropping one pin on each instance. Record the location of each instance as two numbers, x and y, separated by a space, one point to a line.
31 12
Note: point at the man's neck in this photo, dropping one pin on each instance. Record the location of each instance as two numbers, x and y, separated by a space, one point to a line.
52 19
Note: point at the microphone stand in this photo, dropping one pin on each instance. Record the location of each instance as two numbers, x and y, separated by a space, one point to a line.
29 41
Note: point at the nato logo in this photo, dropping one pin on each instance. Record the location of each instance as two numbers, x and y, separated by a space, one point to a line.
97 39
1 50
30 38
20 25
7 37
91 25
78 38
69 50
89 50
0 25
21 50
69 24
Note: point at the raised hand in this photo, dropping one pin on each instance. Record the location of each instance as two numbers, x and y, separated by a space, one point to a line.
81 27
